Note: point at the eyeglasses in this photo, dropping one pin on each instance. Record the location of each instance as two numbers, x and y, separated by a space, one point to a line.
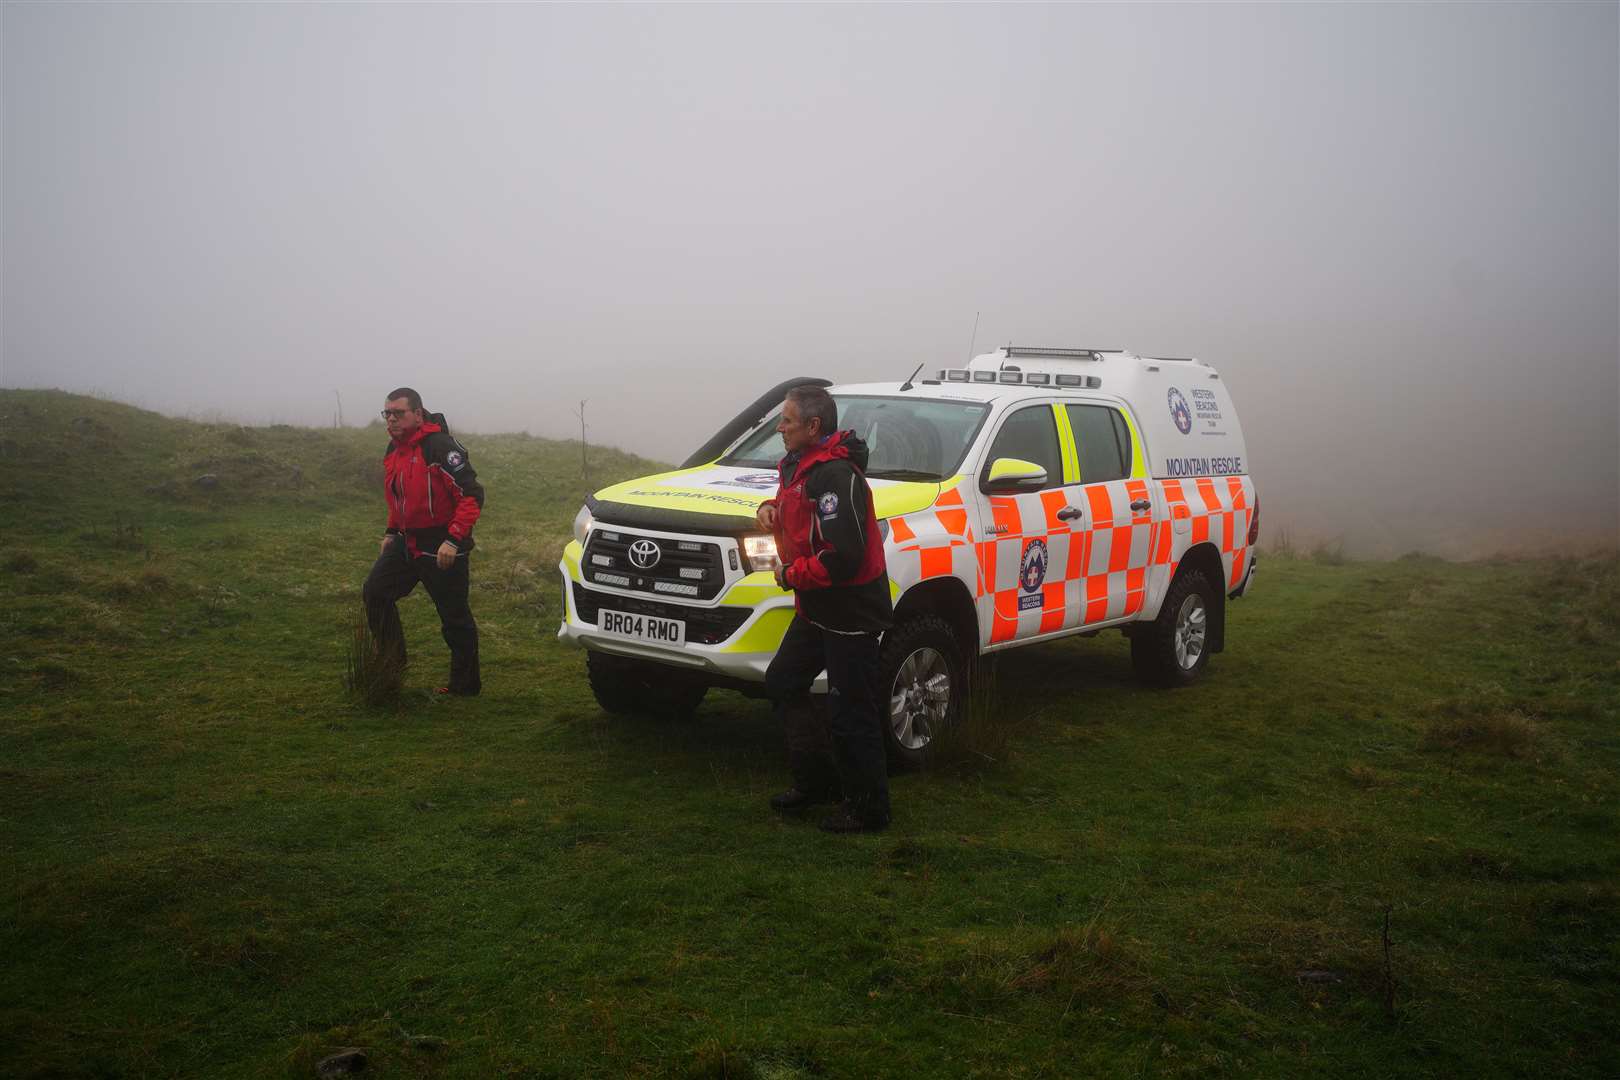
396 414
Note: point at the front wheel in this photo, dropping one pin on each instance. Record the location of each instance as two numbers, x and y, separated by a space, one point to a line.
629 687
1173 649
921 686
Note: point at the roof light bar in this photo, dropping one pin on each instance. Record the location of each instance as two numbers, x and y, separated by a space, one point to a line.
1041 350
1014 377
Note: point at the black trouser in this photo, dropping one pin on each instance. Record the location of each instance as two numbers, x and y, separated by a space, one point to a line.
392 578
847 749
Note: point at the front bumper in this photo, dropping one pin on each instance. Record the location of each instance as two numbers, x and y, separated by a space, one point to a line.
742 656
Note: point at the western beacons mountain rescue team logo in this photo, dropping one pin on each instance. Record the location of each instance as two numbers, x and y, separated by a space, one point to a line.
1031 573
828 505
1180 411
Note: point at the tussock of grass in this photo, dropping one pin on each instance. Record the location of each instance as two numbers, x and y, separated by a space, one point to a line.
119 535
1329 553
1279 544
55 673
374 677
389 1049
1082 964
1585 594
1484 721
1364 776
148 583
21 562
982 736
88 620
1512 734
716 1060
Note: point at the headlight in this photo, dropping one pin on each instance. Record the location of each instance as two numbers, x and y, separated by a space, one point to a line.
582 523
761 553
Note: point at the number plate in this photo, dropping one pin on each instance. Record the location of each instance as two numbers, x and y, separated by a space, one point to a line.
649 628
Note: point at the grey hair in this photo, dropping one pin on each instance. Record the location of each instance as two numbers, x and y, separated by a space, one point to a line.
815 402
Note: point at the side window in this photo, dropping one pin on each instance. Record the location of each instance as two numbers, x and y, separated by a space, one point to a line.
1030 435
1102 441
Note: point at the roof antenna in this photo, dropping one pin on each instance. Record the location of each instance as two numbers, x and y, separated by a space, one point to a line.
907 384
974 340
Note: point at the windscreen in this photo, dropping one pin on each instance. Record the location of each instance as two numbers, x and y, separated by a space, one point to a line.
910 438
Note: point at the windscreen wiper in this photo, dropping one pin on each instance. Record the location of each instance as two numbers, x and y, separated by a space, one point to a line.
905 474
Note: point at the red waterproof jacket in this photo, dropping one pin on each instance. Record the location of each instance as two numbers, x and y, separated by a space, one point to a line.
828 539
433 493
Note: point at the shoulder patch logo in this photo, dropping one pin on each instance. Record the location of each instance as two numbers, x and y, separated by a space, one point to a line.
827 504
454 459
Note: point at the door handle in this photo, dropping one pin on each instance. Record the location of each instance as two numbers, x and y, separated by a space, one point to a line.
1142 504
1069 513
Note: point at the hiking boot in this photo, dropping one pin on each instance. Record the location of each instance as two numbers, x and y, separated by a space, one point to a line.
847 819
794 799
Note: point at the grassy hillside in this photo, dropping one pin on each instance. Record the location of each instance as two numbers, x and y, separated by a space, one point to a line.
217 865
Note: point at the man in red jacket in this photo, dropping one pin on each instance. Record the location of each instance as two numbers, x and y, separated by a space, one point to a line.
832 558
434 498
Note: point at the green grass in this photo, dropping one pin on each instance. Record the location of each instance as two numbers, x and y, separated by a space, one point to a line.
218 864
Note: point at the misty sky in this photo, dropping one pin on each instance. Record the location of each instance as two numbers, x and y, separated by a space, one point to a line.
1395 229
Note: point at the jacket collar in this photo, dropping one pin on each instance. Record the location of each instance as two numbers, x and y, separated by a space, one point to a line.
829 448
426 429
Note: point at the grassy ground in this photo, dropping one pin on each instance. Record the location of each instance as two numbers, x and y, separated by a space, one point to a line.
217 865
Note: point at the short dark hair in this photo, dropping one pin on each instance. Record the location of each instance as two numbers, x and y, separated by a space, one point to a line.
815 402
412 398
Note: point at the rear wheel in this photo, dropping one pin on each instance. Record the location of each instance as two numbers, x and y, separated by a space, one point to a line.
1173 649
921 684
625 686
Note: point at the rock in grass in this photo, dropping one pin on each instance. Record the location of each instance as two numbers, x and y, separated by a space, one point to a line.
350 1059
207 481
1319 976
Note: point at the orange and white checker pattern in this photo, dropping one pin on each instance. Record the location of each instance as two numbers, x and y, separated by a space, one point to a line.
1100 567
1204 510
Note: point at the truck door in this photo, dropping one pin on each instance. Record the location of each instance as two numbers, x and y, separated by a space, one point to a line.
1026 547
1112 543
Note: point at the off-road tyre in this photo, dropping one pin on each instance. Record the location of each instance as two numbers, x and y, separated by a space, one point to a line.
1174 648
625 686
930 643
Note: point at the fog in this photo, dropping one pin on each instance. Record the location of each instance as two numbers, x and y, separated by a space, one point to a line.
1393 228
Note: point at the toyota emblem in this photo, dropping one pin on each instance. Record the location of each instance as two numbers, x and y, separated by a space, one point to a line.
645 554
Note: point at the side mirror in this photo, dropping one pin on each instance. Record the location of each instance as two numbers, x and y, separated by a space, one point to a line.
1008 476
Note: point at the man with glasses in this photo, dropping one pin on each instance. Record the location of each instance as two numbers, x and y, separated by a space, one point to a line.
434 498
832 558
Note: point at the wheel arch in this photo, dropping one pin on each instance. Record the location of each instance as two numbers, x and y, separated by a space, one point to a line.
949 599
1206 558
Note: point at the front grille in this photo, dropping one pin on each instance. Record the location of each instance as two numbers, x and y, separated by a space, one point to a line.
705 626
684 569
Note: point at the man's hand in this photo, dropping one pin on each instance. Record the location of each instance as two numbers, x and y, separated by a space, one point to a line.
781 578
447 555
387 539
766 516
